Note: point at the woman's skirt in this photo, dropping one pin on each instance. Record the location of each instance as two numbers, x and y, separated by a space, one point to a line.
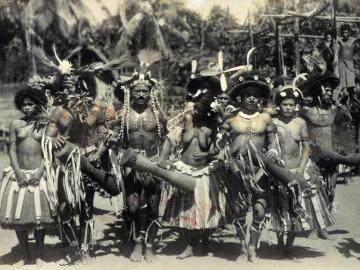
26 207
204 208
289 212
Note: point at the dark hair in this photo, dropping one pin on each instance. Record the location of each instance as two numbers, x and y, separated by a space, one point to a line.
37 96
289 93
328 32
345 27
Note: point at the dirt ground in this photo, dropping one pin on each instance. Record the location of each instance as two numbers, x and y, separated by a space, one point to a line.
112 253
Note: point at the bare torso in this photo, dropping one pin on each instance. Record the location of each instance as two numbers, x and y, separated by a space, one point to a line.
198 142
319 124
246 128
28 145
143 131
290 137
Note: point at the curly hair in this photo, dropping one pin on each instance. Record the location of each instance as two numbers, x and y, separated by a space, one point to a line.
35 95
346 27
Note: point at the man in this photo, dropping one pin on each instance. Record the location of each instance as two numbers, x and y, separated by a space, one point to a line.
250 130
345 57
140 126
74 120
320 116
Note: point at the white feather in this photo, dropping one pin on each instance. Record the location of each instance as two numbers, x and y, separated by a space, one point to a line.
193 66
248 56
223 82
221 60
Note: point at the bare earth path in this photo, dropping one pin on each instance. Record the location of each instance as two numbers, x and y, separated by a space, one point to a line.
341 253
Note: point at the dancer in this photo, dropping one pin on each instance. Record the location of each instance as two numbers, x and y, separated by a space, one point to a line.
141 126
320 115
25 204
294 151
249 132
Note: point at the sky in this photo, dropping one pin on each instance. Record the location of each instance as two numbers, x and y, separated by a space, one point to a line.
239 8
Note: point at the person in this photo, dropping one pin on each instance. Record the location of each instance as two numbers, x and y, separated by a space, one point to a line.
250 131
294 149
194 197
75 124
140 125
24 194
319 116
346 69
329 52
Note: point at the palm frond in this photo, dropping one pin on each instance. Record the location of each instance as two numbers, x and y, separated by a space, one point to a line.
42 58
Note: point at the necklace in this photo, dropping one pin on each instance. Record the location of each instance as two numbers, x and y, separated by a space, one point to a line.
249 117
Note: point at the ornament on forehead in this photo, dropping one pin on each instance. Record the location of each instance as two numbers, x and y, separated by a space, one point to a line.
296 92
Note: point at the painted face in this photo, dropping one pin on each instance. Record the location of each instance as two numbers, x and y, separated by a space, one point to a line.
140 95
28 107
68 83
287 107
250 99
326 94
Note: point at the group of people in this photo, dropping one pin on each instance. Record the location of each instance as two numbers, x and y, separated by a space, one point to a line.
239 147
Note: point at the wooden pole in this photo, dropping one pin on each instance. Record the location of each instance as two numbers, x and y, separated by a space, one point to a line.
297 45
277 48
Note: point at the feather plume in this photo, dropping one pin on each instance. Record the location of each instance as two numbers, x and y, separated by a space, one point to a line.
123 61
248 55
149 56
42 58
295 80
193 66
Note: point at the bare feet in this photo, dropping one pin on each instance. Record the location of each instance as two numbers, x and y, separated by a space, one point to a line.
136 253
252 254
243 251
323 234
289 254
40 262
188 252
313 235
149 254
22 262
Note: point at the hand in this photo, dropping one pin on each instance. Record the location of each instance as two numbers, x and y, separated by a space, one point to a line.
271 156
35 179
21 178
59 142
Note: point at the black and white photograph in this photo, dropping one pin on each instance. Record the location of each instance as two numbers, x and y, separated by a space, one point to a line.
179 134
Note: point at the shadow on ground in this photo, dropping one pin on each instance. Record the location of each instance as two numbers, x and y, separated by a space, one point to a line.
349 247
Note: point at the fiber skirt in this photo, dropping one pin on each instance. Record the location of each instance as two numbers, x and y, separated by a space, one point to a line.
311 210
24 207
204 208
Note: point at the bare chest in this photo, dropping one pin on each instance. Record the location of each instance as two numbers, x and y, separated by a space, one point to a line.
240 125
145 121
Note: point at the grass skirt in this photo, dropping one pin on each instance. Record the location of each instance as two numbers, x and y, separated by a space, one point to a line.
204 208
312 211
24 207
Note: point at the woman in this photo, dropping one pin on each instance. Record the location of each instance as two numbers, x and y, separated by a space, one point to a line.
293 214
200 210
24 205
